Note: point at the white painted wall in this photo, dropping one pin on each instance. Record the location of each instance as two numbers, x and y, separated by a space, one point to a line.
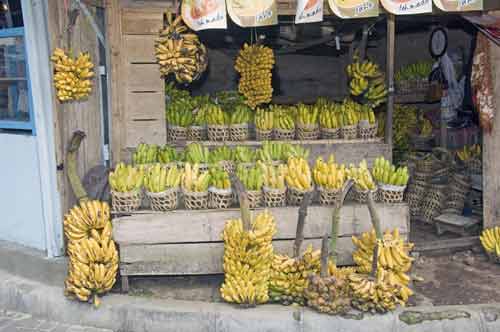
21 209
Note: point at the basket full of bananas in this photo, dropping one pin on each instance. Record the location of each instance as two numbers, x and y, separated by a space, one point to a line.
223 158
238 123
274 188
162 185
220 194
307 122
218 123
330 179
264 123
298 179
126 187
412 80
349 119
197 131
284 122
194 185
392 181
329 120
363 182
252 179
367 125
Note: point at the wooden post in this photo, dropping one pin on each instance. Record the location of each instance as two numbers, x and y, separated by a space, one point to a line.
324 256
244 202
299 235
391 36
378 231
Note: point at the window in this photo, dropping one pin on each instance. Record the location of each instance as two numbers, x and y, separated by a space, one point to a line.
15 98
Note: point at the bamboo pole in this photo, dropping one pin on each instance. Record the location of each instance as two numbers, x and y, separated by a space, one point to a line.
71 169
299 234
244 202
391 39
375 219
324 257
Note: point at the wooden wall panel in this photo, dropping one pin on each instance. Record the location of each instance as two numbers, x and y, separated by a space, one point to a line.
143 77
140 48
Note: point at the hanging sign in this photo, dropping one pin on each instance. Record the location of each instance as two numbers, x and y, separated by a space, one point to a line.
459 5
204 14
253 13
309 11
354 8
407 7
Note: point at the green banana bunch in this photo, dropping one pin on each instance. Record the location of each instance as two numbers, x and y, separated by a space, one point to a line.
242 114
366 113
264 119
377 92
229 100
274 176
193 180
215 115
329 116
219 179
416 71
167 154
160 178
200 116
244 154
349 113
296 151
126 178
271 151
195 153
386 173
222 153
251 178
172 93
145 154
307 115
284 117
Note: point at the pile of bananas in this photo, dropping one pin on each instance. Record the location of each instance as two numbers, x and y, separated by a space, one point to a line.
284 117
244 154
178 115
160 178
222 153
251 178
307 115
248 256
386 173
367 82
180 52
216 116
219 179
167 154
93 258
242 114
254 63
72 77
329 116
331 294
329 175
469 152
490 239
145 154
195 153
349 113
416 71
264 119
193 180
362 177
299 174
126 178
274 176
271 151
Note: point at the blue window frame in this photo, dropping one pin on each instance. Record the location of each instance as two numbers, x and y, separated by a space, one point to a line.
16 110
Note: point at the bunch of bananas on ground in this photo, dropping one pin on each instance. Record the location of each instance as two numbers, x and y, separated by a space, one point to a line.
307 115
362 177
222 153
416 71
254 64
295 150
180 52
195 153
270 151
193 180
469 152
284 117
85 217
386 173
248 256
299 174
329 116
244 154
251 178
332 294
264 119
274 176
219 178
72 77
349 113
167 154
160 178
425 128
367 82
329 175
126 178
216 116
145 154
242 114
182 117
490 239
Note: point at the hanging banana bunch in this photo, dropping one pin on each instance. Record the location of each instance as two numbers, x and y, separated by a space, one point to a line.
367 82
179 51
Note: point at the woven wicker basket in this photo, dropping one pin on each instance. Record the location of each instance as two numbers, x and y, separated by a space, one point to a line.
227 166
195 200
239 132
422 143
296 196
412 90
247 165
255 198
197 133
263 135
329 197
163 201
126 202
388 193
307 132
349 132
177 134
218 133
414 196
361 196
421 177
220 198
433 202
474 166
274 197
284 134
366 130
330 133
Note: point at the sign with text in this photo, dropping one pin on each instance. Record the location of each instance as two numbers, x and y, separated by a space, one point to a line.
309 11
459 5
354 8
407 7
204 14
253 13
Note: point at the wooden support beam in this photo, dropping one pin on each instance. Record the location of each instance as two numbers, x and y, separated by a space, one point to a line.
391 40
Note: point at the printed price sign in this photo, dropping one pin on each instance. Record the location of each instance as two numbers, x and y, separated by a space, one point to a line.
309 11
459 5
253 13
204 14
407 7
354 8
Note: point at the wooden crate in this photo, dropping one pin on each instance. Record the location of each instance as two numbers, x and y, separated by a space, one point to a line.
189 242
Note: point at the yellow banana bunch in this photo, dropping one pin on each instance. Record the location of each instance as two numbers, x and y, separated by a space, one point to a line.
329 116
264 119
219 178
299 174
72 77
469 152
85 218
216 116
349 113
274 176
490 239
254 64
160 178
367 82
248 256
126 178
284 117
307 115
362 177
329 175
179 51
193 180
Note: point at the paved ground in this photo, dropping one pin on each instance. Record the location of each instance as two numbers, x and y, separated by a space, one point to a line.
19 322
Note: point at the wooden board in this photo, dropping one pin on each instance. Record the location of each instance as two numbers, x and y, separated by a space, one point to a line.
140 48
143 21
145 105
145 131
144 77
206 226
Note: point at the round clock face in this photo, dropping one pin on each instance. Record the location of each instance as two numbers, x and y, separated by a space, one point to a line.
438 42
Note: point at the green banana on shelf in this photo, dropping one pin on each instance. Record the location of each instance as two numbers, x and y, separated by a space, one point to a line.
195 153
251 178
145 154
386 173
219 178
222 153
160 178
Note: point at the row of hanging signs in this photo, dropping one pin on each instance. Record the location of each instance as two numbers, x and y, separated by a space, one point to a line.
211 14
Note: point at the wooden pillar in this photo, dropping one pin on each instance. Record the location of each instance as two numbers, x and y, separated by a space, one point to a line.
391 40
